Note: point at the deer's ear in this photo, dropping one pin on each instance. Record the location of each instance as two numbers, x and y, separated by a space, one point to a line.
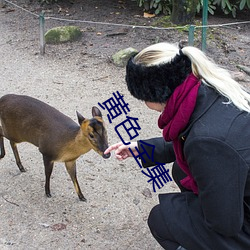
96 111
80 118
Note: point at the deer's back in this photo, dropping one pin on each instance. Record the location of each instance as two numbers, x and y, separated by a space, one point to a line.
24 118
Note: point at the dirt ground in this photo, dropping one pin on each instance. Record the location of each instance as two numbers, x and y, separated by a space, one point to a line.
76 76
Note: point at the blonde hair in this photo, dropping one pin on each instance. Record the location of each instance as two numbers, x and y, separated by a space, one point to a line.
202 67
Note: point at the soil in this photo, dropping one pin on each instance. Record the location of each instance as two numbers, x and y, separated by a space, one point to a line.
76 76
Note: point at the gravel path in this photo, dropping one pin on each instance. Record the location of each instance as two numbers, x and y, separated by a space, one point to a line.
118 195
72 77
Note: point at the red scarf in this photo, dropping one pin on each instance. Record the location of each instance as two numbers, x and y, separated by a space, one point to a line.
174 119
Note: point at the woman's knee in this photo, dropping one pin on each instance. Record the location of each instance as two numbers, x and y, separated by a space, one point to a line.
159 229
154 217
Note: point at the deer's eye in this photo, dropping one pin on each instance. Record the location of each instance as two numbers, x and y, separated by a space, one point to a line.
91 136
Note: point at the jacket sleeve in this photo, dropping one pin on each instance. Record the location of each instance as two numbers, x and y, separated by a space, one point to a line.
155 151
220 173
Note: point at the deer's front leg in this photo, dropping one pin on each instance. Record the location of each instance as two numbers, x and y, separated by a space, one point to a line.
71 168
48 165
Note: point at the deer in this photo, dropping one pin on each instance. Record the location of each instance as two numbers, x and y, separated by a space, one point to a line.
58 138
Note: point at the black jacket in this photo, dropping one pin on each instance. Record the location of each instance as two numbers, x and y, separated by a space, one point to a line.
216 145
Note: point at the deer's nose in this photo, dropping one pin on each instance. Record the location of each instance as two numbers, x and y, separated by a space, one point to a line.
106 156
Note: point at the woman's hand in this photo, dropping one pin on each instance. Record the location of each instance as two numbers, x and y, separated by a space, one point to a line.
122 151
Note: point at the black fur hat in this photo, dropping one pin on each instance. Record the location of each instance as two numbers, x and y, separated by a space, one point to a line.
156 83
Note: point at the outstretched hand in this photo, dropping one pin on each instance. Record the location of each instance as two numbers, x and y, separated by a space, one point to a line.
122 151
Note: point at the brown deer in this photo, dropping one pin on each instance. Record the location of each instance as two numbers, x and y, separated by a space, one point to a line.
59 138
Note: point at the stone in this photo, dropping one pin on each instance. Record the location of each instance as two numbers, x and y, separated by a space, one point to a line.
147 193
121 58
63 34
239 76
2 3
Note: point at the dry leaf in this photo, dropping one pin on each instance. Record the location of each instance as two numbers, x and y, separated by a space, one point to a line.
147 15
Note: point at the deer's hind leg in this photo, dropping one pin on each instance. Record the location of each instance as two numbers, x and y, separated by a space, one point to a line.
1 144
71 168
16 154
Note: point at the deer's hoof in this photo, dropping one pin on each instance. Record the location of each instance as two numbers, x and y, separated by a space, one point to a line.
82 198
48 195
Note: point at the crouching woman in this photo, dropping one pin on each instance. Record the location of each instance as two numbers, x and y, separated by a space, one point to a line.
205 122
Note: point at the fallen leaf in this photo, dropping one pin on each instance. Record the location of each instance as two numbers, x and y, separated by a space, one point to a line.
147 15
58 227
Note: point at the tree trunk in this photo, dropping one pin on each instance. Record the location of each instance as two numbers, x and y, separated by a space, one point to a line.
183 11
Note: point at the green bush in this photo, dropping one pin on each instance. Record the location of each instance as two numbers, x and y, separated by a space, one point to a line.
156 6
232 6
211 7
227 6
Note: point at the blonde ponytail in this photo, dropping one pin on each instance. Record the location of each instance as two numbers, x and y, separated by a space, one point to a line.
218 78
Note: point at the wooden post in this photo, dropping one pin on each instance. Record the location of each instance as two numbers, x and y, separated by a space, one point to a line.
191 35
204 24
42 31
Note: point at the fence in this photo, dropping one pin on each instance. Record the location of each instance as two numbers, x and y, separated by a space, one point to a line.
191 28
